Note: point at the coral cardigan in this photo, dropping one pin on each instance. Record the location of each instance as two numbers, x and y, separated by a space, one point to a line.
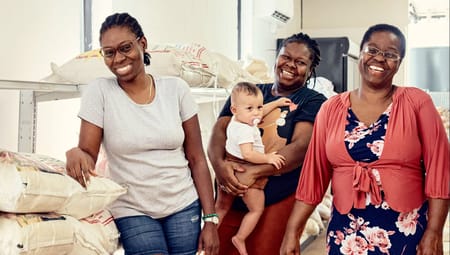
415 131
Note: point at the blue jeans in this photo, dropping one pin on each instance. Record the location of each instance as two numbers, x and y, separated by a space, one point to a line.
176 234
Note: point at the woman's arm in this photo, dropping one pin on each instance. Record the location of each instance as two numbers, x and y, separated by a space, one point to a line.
435 149
223 169
431 242
294 154
294 228
80 160
193 148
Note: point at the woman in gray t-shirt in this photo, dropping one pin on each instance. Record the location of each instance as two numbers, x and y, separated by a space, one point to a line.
149 129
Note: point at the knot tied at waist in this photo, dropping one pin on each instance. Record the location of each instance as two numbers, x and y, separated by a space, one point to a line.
365 183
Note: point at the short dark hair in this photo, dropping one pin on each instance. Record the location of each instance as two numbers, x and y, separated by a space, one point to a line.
124 20
310 43
385 28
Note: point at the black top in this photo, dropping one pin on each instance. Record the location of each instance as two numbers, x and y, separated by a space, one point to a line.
277 128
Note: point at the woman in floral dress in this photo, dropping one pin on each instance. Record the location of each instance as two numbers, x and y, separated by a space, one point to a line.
385 150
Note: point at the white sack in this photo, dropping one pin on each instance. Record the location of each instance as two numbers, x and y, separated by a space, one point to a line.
33 183
35 234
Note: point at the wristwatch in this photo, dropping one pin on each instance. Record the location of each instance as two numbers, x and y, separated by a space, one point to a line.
213 218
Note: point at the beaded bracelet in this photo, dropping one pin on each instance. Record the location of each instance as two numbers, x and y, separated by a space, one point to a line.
210 215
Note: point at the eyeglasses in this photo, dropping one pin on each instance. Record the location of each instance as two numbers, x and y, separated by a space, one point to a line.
389 55
124 48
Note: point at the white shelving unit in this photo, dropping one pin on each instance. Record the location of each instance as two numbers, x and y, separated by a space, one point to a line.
31 93
210 101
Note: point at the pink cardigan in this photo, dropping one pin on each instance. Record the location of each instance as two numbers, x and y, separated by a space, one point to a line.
414 131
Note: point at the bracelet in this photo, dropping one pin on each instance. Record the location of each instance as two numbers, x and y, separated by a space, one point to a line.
211 215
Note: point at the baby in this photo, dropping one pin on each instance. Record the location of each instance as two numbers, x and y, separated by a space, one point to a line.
244 144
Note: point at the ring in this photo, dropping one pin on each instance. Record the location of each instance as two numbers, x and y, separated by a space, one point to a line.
222 187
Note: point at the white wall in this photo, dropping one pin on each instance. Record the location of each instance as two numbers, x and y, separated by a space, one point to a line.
430 70
260 33
212 23
353 13
34 33
352 18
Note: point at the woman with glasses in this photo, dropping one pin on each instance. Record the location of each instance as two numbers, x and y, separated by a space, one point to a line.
386 152
149 128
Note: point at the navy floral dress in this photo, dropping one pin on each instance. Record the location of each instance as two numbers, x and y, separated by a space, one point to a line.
376 229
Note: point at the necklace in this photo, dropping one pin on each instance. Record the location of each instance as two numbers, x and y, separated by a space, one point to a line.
138 97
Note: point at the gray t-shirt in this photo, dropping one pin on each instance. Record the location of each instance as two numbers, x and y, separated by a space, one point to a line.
144 144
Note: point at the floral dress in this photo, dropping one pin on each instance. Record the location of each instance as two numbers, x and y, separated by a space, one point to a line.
375 229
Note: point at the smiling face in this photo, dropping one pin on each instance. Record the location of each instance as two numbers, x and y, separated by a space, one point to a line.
377 71
292 67
125 65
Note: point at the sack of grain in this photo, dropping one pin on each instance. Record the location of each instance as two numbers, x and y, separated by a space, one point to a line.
37 234
33 183
96 234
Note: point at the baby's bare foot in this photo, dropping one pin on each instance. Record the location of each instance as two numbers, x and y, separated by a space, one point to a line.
240 245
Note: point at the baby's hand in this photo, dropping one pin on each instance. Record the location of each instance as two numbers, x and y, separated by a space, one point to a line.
276 160
283 101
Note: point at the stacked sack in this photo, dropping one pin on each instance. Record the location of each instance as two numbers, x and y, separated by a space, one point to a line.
192 62
45 211
445 116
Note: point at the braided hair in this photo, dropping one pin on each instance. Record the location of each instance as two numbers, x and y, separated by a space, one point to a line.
124 20
312 46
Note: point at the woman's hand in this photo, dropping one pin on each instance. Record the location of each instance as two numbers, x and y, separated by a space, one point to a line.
294 228
79 165
431 243
226 177
290 244
208 243
247 177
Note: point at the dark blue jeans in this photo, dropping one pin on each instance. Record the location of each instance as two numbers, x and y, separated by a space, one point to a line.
176 234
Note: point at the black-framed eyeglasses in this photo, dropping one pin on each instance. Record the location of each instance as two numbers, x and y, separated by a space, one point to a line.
374 51
124 48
